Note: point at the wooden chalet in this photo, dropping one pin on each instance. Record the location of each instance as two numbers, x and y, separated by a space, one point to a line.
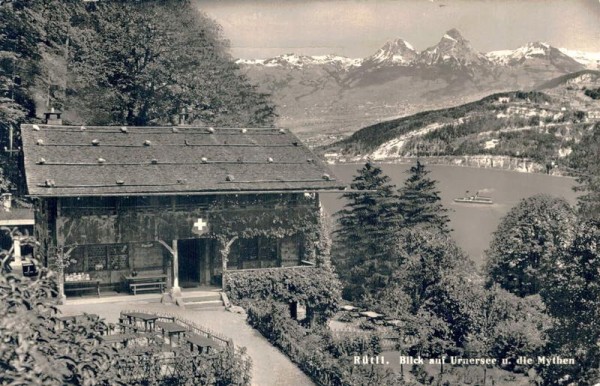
147 201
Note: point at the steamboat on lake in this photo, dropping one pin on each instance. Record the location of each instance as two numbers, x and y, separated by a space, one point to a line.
474 199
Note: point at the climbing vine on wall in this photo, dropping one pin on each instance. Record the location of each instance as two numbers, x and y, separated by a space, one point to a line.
255 216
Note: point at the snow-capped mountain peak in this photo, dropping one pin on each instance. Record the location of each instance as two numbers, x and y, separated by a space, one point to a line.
396 51
288 60
300 61
452 49
531 52
528 51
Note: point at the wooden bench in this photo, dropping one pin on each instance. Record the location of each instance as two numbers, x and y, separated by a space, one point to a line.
146 283
82 285
135 287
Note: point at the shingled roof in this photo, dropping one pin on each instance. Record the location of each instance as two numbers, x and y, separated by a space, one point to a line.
63 161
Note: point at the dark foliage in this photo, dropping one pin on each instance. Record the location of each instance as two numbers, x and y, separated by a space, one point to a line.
145 62
34 350
364 240
528 238
593 93
420 202
317 288
572 293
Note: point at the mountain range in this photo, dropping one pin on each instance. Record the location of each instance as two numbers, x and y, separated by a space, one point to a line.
322 97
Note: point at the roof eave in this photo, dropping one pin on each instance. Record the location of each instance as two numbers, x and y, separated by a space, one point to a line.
333 189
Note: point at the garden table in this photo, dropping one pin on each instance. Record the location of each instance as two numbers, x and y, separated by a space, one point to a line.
148 319
171 329
204 344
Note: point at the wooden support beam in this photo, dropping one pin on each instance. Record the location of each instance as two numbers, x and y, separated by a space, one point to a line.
172 249
224 257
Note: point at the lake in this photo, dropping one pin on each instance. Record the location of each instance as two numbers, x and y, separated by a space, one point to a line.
472 224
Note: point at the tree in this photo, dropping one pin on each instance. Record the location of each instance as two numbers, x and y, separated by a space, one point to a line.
19 66
435 275
364 242
20 55
428 256
505 326
148 61
584 161
529 236
572 294
419 202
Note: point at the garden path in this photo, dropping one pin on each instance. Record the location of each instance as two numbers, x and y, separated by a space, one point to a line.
270 366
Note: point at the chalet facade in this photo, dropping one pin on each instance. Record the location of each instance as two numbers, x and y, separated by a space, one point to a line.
186 202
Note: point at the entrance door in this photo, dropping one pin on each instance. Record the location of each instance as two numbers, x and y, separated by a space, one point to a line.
191 260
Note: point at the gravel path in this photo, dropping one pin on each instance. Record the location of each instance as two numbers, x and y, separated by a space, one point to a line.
270 366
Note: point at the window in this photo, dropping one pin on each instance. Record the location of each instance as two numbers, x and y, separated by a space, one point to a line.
118 256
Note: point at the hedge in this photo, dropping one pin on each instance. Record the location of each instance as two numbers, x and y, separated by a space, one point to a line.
317 288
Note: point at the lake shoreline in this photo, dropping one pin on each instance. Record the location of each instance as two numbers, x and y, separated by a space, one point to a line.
436 162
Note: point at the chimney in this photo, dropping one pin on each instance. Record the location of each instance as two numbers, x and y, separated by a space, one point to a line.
6 201
183 115
53 117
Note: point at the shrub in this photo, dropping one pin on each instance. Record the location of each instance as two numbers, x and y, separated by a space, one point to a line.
318 289
355 344
35 350
311 349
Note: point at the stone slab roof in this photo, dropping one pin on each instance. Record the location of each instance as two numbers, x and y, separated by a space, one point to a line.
68 161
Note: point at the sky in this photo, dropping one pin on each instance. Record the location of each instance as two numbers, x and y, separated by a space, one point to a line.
357 28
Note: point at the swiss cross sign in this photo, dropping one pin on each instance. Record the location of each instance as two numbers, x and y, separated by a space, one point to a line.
200 226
